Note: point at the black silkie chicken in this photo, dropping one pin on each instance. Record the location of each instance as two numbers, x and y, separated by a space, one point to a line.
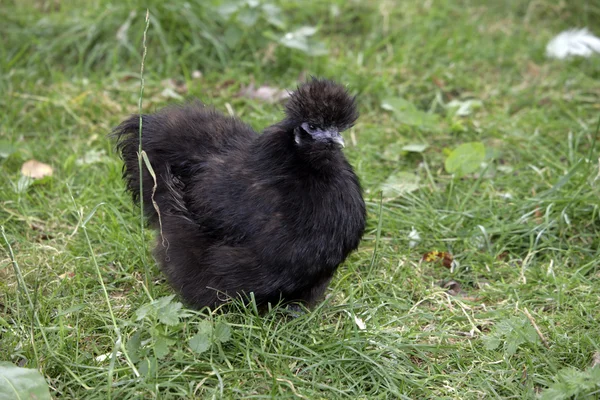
273 214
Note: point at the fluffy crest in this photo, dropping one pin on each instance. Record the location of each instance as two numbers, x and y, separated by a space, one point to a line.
322 102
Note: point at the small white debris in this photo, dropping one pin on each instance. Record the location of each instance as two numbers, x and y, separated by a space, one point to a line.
170 93
464 108
121 34
360 323
566 218
91 157
103 357
413 237
573 42
265 93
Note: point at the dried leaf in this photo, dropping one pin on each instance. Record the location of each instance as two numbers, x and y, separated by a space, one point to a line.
434 256
452 287
35 169
91 157
265 93
170 93
173 89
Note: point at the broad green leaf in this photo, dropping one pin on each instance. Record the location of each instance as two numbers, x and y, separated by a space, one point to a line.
23 184
299 40
227 8
6 149
305 31
162 301
92 156
148 366
161 347
22 383
399 184
200 342
71 310
144 311
170 313
395 151
571 382
392 152
133 347
232 36
205 327
415 147
273 15
464 108
491 342
222 332
465 159
407 113
248 16
512 333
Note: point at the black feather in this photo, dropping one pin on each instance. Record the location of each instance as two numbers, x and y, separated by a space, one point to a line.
271 214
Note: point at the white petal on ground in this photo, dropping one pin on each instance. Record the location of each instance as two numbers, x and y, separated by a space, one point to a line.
358 321
573 42
413 237
103 357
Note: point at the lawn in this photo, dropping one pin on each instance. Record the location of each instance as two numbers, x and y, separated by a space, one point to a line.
478 275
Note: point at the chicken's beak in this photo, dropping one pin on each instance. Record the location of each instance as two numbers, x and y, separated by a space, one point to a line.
328 135
334 136
338 139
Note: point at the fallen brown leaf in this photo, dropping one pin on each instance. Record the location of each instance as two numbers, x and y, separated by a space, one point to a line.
264 93
35 169
444 257
452 287
67 275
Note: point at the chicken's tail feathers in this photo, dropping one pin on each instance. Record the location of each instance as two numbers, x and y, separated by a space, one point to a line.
162 192
177 140
126 136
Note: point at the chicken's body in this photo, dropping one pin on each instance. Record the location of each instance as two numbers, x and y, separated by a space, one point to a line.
272 214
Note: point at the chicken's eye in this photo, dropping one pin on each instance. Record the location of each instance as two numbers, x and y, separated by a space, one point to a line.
312 127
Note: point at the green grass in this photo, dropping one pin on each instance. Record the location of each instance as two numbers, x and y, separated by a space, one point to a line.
523 230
